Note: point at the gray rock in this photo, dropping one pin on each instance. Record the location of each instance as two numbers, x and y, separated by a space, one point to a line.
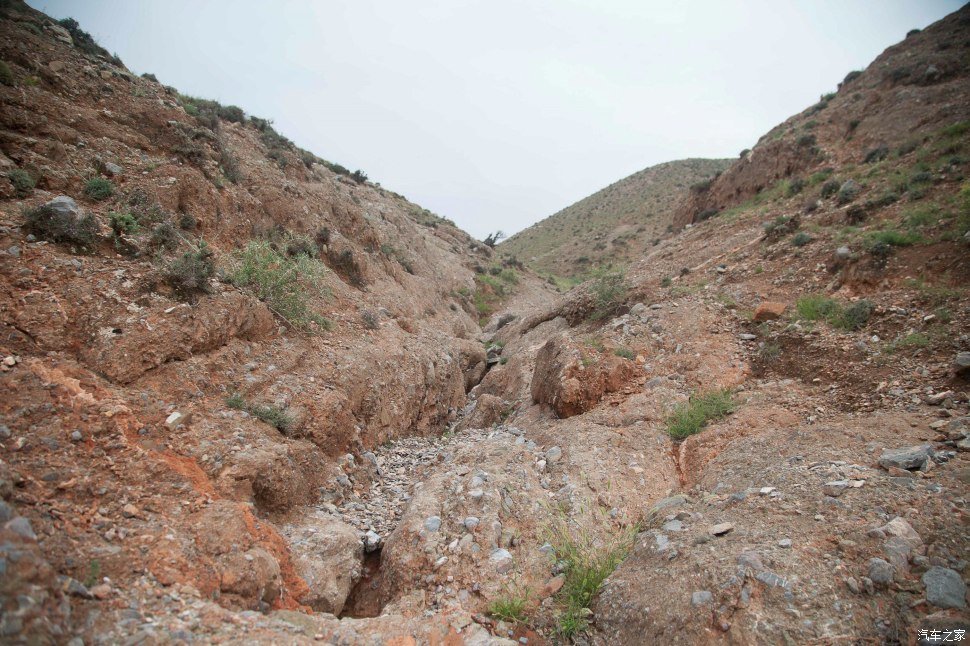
471 522
747 337
432 523
6 511
666 503
720 529
945 588
784 543
76 436
64 206
961 363
553 455
502 559
910 458
881 572
4 432
835 488
673 526
843 253
372 540
750 560
21 525
701 598
112 170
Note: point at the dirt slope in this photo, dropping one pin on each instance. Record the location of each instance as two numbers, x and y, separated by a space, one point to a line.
461 455
614 225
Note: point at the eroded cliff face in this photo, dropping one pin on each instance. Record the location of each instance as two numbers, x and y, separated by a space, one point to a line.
121 394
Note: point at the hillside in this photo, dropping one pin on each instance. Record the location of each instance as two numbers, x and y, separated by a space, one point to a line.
250 396
615 225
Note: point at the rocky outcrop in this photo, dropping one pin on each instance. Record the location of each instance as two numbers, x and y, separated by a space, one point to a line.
327 555
570 385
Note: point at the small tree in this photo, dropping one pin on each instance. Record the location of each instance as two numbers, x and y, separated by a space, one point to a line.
492 239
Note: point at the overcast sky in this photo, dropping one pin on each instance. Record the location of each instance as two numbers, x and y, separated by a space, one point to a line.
498 113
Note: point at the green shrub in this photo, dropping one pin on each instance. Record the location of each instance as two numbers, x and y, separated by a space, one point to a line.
691 416
57 226
122 223
892 238
801 239
284 283
231 113
806 140
666 281
830 188
370 319
278 418
854 317
6 74
189 275
847 192
625 353
851 76
83 40
187 222
236 402
164 236
609 291
816 307
876 154
98 188
588 562
796 186
914 340
23 183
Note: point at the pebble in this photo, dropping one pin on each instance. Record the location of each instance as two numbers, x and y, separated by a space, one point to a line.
432 523
881 572
553 455
785 543
471 522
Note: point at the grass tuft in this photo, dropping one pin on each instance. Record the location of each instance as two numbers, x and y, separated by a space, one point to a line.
691 416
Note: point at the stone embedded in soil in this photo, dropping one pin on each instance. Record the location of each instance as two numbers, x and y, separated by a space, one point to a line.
502 559
945 588
432 523
909 458
721 529
553 455
835 488
785 543
701 598
961 364
769 311
881 572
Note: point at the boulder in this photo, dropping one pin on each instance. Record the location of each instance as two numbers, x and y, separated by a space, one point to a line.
961 364
910 458
769 311
571 386
327 554
945 588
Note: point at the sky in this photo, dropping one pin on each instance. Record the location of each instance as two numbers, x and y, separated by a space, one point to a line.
498 113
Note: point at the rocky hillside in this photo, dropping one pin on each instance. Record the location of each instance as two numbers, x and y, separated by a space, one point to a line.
251 397
615 225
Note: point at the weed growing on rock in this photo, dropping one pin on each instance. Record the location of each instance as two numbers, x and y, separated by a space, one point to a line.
276 416
691 416
588 560
286 284
510 607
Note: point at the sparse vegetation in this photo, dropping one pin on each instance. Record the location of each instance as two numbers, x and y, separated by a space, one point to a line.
914 340
98 188
588 561
510 607
693 415
164 236
285 283
801 239
189 275
6 74
816 307
609 291
122 223
625 353
276 416
23 183
58 225
84 42
370 319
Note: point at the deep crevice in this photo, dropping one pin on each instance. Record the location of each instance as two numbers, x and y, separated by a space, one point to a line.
366 599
